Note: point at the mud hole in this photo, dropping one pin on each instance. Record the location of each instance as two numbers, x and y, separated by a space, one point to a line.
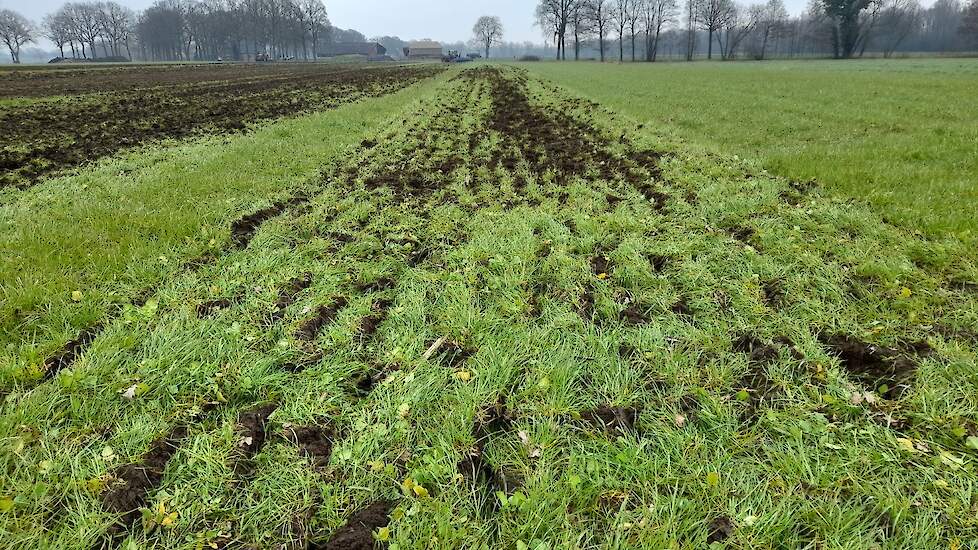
70 352
485 480
287 295
888 371
612 420
252 432
314 442
324 315
371 323
132 483
244 229
357 533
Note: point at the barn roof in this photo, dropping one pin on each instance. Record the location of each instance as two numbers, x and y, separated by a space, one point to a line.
423 44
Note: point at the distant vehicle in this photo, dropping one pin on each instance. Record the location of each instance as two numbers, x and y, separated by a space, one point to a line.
262 57
454 57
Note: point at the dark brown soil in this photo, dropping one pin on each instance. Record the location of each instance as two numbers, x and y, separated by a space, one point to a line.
885 370
324 315
659 262
71 351
380 285
634 315
207 309
612 419
681 308
453 356
601 265
314 442
252 429
773 293
244 229
286 296
357 534
135 481
42 138
372 322
756 350
720 530
586 308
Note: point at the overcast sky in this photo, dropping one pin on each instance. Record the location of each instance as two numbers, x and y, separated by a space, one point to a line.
444 20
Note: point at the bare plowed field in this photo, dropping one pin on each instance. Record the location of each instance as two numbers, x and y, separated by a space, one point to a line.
46 136
511 319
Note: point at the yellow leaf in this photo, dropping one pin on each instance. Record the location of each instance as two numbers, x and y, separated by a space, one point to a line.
463 375
420 491
407 484
905 293
602 276
906 444
169 520
383 534
404 410
6 504
77 296
713 479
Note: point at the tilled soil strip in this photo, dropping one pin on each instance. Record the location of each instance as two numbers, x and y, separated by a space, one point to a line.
42 138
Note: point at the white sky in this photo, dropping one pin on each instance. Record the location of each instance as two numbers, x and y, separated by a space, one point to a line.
444 20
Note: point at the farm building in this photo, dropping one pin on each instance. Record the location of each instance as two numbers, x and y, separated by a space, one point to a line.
370 49
423 49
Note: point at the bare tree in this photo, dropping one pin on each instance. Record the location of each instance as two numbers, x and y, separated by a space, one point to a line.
56 28
897 20
969 24
770 25
599 14
656 14
738 25
621 13
488 30
692 21
554 16
581 27
15 31
714 16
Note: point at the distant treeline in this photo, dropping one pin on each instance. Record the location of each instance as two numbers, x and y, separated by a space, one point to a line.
648 29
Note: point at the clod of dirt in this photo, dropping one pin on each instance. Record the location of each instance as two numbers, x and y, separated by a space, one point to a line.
453 356
286 296
310 328
380 285
654 195
491 420
773 293
612 419
601 265
68 353
314 442
659 262
756 350
720 530
586 308
244 229
885 370
134 481
357 534
253 429
372 322
681 308
742 233
634 315
207 309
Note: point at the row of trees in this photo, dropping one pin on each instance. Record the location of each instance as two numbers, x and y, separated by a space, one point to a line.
175 29
841 28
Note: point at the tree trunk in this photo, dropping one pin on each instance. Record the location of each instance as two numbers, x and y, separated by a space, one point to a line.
709 48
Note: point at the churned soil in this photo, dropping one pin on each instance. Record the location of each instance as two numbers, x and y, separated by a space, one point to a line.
44 137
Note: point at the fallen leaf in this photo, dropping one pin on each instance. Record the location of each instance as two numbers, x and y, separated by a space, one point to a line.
77 296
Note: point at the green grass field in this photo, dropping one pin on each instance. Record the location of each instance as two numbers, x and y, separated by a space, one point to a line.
902 134
484 312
